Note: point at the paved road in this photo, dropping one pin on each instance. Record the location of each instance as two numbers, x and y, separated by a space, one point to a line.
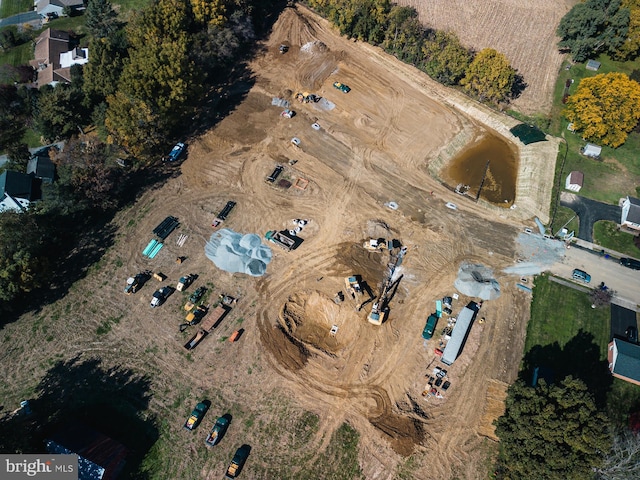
589 212
27 17
623 280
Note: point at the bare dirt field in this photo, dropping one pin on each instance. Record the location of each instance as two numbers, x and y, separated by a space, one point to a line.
524 31
375 146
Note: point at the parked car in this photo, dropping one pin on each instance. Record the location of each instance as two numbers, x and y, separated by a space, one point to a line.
631 263
196 416
342 87
632 334
176 152
581 275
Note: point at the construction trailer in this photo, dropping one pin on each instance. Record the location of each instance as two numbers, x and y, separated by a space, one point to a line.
208 324
460 333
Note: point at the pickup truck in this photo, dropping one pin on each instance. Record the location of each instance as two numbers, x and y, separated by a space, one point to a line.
239 459
196 416
160 295
217 432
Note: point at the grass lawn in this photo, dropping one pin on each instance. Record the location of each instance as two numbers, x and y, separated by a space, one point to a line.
11 7
605 233
559 312
32 138
567 218
19 55
126 5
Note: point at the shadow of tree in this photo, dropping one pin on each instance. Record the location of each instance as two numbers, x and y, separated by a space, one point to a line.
580 358
109 400
519 86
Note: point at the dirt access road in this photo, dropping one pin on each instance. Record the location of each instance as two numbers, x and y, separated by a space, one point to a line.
378 144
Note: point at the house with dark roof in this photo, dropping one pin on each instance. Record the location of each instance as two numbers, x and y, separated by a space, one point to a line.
18 191
624 360
99 457
41 166
53 57
631 213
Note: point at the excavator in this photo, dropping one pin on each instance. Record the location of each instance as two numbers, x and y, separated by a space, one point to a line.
380 309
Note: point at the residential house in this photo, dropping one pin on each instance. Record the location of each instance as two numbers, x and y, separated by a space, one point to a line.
18 191
624 360
41 166
631 214
53 57
44 7
574 181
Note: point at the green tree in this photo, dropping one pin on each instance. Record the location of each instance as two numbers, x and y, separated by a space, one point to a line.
630 49
13 116
605 108
551 432
593 26
404 34
132 124
489 76
23 254
446 60
102 73
60 112
101 18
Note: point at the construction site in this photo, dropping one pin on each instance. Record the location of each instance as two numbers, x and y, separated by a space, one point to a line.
338 246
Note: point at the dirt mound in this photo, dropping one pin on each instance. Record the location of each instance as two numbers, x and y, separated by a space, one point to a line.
314 47
403 433
307 318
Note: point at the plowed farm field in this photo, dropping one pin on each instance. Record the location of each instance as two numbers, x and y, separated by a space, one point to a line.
289 384
523 31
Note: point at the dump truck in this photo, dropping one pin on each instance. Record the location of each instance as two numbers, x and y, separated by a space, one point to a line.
217 432
196 416
211 322
353 286
281 239
239 459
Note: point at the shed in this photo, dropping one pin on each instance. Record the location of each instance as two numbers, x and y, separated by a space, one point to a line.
593 65
624 360
574 181
460 333
591 150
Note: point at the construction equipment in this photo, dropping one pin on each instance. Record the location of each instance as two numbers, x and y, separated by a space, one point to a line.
307 97
160 296
211 322
286 113
283 48
184 282
136 282
380 309
239 459
217 432
275 174
196 314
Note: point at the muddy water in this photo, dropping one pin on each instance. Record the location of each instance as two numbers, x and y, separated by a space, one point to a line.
469 167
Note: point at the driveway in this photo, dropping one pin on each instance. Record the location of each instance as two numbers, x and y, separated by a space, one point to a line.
27 17
589 212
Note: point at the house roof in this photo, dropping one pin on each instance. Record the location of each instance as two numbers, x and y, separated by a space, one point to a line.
633 215
41 165
576 178
626 360
42 4
460 332
49 45
16 184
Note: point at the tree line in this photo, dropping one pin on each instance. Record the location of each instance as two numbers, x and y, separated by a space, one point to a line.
146 79
486 75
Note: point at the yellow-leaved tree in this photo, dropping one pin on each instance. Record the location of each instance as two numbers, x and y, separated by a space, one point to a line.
209 12
605 108
489 76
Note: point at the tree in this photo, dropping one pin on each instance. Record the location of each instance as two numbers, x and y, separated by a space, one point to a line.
489 76
60 112
601 296
631 47
132 124
102 73
446 60
23 254
102 20
13 116
593 26
605 108
404 34
623 461
209 12
551 432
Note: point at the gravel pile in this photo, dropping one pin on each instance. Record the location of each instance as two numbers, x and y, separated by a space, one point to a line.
477 281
